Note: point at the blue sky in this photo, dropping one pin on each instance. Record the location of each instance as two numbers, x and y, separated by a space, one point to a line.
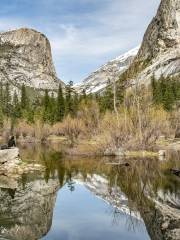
84 34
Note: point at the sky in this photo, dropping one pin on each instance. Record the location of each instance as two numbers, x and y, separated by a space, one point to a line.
84 34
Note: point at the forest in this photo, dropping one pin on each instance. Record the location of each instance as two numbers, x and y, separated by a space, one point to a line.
109 120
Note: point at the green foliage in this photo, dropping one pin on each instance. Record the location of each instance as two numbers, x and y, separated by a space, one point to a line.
69 99
24 98
7 101
166 92
106 100
60 105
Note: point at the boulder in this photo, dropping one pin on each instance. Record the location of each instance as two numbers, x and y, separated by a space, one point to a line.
9 155
9 160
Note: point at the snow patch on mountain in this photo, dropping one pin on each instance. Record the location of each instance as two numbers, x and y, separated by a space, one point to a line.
110 71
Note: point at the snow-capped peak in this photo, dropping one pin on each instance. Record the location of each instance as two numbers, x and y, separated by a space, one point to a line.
110 71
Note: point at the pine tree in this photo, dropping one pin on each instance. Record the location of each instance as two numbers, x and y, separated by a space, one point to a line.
7 101
83 96
46 104
120 91
69 99
52 109
106 100
154 90
1 117
75 104
60 105
1 95
24 98
16 106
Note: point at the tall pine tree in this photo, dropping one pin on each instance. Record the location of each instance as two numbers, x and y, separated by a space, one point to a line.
60 105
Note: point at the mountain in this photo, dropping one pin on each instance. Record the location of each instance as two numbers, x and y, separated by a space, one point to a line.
27 210
99 79
25 58
159 53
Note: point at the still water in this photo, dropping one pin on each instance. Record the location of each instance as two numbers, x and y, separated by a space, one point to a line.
89 199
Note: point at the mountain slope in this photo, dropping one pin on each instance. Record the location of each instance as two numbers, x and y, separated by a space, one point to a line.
159 53
99 79
25 58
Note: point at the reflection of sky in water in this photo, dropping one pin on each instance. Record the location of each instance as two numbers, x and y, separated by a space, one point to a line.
80 215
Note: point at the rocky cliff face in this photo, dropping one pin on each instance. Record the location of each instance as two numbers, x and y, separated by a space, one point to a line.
163 33
25 58
99 79
160 49
26 211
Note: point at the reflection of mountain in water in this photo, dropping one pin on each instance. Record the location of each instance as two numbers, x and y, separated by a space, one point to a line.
113 195
141 191
161 213
26 212
163 220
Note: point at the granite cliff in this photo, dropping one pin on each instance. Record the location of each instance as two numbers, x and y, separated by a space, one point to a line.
159 53
25 58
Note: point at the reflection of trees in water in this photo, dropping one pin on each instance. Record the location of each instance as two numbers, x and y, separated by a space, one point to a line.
142 177
141 182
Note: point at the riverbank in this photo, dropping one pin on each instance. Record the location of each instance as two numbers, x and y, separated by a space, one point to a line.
90 148
11 164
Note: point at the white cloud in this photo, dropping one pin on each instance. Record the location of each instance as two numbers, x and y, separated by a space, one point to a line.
91 37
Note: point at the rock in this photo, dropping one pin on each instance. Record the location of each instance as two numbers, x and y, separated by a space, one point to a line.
163 33
98 80
27 209
159 53
9 155
25 58
9 161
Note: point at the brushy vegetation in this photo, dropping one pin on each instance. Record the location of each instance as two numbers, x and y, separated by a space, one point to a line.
132 120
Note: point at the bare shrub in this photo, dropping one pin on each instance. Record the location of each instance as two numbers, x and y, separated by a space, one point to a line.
37 131
129 133
57 129
72 128
89 114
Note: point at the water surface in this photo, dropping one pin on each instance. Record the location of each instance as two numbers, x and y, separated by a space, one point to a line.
87 198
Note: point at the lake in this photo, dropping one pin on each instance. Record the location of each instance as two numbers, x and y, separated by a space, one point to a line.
90 198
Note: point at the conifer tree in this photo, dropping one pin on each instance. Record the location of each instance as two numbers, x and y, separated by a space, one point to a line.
52 109
24 98
1 117
69 99
75 104
16 106
60 105
106 102
7 101
1 95
46 104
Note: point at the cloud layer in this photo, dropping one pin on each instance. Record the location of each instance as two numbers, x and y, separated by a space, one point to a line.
84 34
